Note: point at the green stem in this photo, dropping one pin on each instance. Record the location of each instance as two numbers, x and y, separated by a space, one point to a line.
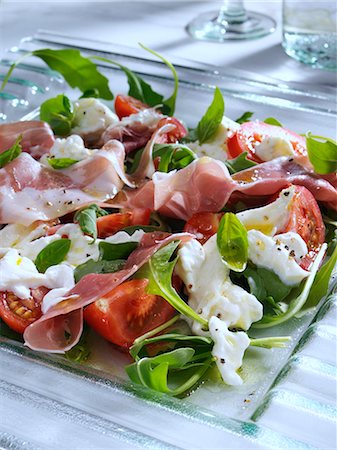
12 67
271 342
157 330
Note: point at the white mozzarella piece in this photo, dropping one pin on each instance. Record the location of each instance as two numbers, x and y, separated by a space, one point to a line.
272 218
272 147
229 348
91 115
270 253
217 146
211 292
16 235
123 236
71 147
19 275
293 243
148 117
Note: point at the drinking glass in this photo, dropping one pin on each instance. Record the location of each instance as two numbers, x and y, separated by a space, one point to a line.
309 32
232 22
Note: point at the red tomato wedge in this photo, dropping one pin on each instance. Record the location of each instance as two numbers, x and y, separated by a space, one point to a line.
125 105
305 218
203 225
18 313
251 133
110 224
174 135
127 312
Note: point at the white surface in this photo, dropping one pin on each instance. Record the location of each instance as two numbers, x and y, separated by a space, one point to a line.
161 25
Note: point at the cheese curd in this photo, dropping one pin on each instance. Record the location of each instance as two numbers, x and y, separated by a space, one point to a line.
272 218
148 117
215 298
71 147
217 146
272 147
19 275
91 115
229 348
277 255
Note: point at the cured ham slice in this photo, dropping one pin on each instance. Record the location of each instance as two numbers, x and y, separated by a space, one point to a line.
270 177
30 191
60 328
37 137
203 186
134 131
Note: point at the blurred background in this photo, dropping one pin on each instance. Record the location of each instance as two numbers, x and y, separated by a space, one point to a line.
160 24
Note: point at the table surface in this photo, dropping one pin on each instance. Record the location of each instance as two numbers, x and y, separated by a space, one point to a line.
161 25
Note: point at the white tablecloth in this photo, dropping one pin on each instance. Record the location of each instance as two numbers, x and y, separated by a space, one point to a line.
161 25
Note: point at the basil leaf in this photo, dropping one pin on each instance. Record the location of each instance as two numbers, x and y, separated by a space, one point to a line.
273 121
9 155
239 163
80 352
53 254
86 218
173 156
110 252
147 228
232 242
159 273
59 113
210 122
244 118
90 93
103 266
61 163
322 153
78 71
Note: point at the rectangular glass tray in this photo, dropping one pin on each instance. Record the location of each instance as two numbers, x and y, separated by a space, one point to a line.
288 396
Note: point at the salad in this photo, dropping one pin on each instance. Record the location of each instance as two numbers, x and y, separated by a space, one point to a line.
170 242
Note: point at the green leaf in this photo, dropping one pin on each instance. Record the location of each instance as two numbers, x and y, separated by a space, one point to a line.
90 93
244 118
273 121
59 113
101 266
239 163
173 156
159 273
78 71
169 104
53 254
210 122
321 283
80 352
61 163
86 218
9 155
322 153
264 283
232 242
110 252
300 295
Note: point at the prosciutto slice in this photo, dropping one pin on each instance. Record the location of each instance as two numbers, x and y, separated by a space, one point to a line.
272 176
134 131
61 327
203 186
30 191
37 137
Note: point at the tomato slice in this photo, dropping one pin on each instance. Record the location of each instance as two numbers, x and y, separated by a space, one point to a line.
251 133
125 105
127 312
203 225
305 218
110 224
18 313
174 135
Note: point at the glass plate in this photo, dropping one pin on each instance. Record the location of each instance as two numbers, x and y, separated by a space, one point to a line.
288 396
